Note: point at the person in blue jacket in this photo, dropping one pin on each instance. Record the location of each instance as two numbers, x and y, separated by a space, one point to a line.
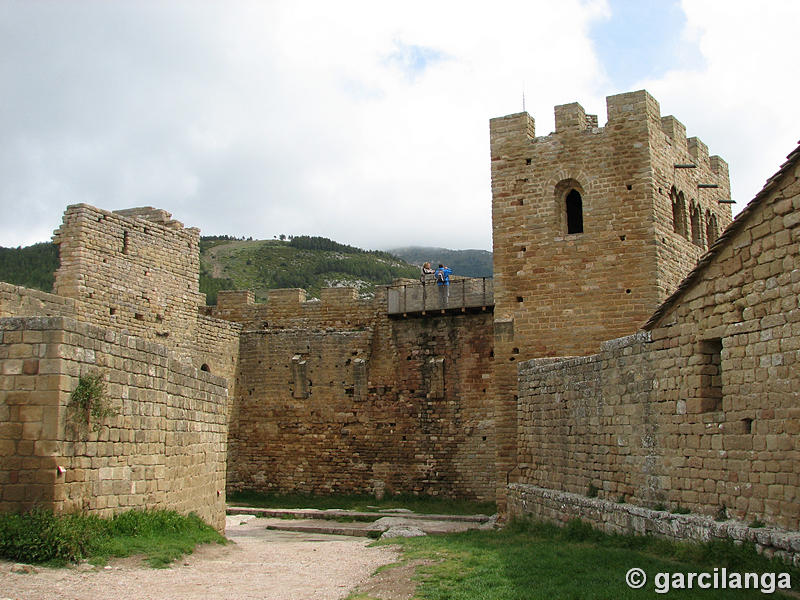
442 276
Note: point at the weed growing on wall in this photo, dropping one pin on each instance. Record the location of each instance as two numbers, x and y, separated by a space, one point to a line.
89 404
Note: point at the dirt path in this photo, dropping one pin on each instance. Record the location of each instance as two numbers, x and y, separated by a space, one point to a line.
261 564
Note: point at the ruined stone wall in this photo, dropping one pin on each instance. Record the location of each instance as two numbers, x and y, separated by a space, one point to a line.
561 289
18 301
335 397
164 448
701 411
129 279
137 270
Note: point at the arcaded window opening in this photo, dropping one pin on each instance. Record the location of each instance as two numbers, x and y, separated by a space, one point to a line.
574 207
697 228
678 212
712 229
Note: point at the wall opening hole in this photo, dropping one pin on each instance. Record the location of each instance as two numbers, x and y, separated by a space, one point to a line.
138 316
628 291
747 425
125 242
629 187
622 238
519 299
574 212
527 161
112 311
710 375
515 351
205 367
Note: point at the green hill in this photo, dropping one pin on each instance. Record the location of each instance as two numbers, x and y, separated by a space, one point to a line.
32 266
305 262
468 263
230 263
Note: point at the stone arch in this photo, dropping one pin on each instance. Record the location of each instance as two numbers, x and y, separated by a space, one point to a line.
678 212
712 228
569 197
696 215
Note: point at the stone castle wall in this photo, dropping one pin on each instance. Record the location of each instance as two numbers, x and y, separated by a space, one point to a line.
137 271
562 289
126 307
17 300
334 396
164 447
700 411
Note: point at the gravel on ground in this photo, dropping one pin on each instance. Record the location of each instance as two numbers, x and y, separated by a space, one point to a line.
258 565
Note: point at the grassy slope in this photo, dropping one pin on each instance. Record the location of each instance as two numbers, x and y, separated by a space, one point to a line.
261 265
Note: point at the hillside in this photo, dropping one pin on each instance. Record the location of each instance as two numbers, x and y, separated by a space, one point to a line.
32 266
229 263
305 262
468 263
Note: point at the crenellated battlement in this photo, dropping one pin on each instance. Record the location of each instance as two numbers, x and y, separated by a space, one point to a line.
290 307
593 227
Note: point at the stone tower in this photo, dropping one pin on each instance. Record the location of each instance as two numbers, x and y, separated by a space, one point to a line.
593 228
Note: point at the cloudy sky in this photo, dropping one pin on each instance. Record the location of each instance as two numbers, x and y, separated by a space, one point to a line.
366 122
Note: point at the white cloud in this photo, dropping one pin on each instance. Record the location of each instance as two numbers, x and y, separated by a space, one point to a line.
363 122
742 100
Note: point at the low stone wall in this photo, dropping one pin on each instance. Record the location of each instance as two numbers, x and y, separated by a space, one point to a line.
18 301
529 501
163 448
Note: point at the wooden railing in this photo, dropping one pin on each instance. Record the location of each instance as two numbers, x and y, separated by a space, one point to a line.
428 297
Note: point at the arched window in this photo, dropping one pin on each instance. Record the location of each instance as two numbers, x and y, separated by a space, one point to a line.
697 227
712 229
678 212
574 207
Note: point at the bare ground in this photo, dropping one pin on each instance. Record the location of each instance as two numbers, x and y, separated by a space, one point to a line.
260 564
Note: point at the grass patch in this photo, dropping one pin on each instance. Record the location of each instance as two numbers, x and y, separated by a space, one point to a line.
40 536
418 504
533 561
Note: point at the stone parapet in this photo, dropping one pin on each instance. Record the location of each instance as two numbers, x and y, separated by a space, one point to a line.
533 502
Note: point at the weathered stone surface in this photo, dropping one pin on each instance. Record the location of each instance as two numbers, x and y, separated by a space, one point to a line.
700 412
